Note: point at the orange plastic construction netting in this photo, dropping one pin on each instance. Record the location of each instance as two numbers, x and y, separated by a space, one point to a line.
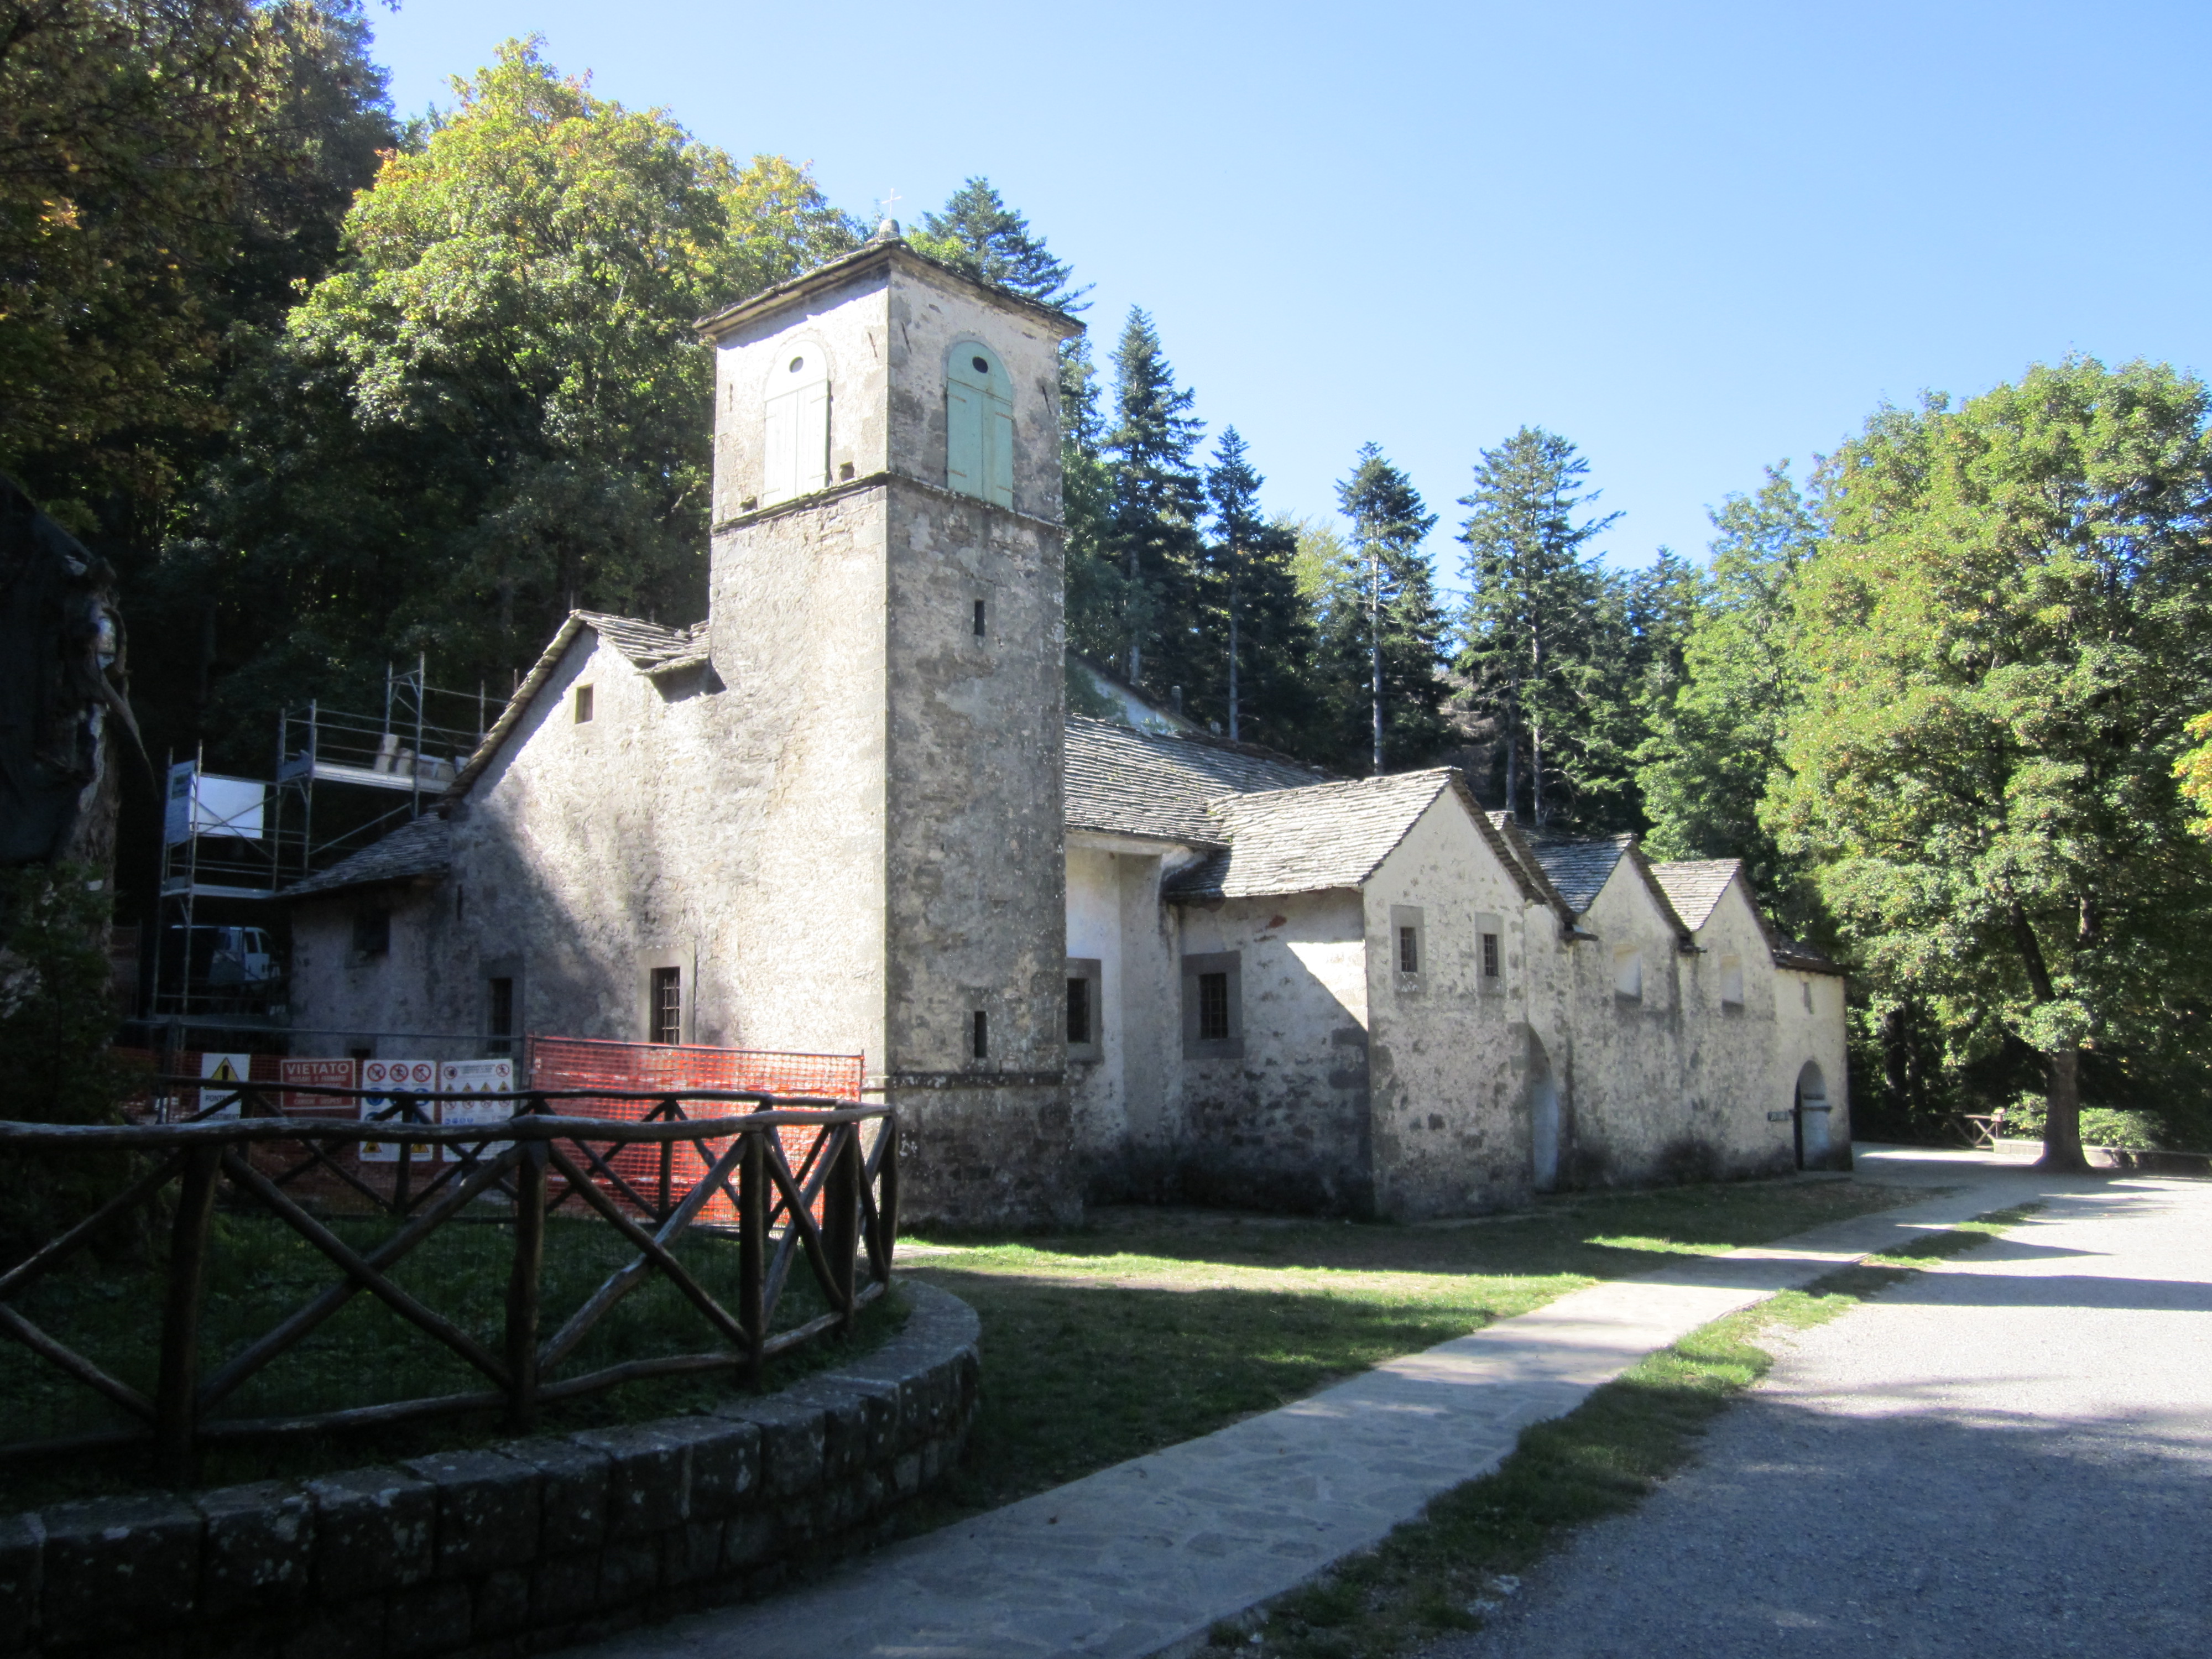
597 1063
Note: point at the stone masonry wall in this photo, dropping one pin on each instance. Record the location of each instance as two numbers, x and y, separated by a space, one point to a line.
525 1547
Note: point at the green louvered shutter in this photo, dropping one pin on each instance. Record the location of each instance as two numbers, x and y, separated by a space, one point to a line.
979 425
963 438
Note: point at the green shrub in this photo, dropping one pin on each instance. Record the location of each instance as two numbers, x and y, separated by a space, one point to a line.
2101 1126
57 1064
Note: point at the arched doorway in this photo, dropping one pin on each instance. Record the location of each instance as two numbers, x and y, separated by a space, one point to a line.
1543 1117
1811 1114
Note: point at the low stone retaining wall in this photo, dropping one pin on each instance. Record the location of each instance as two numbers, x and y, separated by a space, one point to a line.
514 1549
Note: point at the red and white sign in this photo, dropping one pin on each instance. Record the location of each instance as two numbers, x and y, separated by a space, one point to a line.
318 1073
477 1077
386 1080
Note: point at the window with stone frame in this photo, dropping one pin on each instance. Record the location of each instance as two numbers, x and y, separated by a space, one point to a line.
1213 1005
1086 1009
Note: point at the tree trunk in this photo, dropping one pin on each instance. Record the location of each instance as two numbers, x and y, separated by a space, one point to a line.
1375 659
1536 772
2062 1114
1234 735
1513 754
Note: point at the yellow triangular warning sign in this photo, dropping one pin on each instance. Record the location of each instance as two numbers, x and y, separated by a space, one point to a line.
224 1071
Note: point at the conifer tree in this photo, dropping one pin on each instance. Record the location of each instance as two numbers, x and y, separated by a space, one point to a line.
977 233
1380 616
1266 635
1157 498
1541 621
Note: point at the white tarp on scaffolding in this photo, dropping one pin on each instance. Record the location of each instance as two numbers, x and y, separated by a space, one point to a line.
201 804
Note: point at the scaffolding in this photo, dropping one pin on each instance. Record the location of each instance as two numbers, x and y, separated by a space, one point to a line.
230 839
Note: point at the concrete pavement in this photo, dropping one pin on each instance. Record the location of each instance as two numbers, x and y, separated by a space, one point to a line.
1144 1558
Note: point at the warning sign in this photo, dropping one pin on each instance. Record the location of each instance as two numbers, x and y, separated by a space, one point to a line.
319 1073
386 1080
477 1077
231 1069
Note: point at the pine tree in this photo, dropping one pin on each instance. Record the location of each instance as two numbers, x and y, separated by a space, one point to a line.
1265 638
1542 622
1380 614
979 234
1096 596
1157 497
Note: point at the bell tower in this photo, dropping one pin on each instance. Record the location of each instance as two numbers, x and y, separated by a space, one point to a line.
885 609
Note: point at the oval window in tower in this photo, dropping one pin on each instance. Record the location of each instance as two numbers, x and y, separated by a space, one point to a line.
796 446
979 423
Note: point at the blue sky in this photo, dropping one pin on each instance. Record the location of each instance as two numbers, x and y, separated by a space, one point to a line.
1693 239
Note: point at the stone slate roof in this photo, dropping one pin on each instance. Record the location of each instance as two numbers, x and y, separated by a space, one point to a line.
1693 886
649 646
420 848
1579 868
1795 953
1306 840
1157 784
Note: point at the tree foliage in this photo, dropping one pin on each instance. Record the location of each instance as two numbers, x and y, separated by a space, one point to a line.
1382 629
1264 691
2002 639
1717 728
1157 499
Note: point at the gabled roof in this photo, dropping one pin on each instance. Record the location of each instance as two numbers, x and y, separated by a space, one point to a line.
1578 868
1306 840
1795 953
1157 784
1694 886
647 647
423 847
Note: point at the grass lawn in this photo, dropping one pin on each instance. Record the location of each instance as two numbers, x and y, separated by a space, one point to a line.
1147 1327
260 1270
1446 1569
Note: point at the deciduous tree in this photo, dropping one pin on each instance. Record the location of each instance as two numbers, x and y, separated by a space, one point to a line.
2002 639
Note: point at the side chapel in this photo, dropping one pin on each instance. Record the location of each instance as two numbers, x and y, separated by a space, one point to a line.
1085 958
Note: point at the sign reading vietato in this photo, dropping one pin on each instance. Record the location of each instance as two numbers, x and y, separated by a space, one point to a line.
307 1072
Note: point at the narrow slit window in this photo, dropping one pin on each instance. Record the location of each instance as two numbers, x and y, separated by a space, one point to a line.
1409 949
666 1010
979 619
1214 1007
1490 955
1079 1009
979 1045
499 1015
583 705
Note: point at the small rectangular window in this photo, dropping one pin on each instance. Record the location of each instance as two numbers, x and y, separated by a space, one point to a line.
371 930
1628 973
1490 954
499 1015
583 705
667 1007
979 619
1086 1009
1732 981
1409 949
1078 1011
1407 946
1214 1007
979 1046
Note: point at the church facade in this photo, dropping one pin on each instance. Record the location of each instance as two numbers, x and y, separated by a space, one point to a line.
1085 958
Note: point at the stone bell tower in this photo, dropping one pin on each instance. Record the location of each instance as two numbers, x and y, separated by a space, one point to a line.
885 609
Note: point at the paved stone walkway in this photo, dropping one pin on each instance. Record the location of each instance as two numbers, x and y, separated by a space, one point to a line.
2008 1457
1144 1558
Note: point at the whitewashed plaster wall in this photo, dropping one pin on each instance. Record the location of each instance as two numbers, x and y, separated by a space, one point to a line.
342 999
1446 1046
1809 1026
1283 1125
1728 1049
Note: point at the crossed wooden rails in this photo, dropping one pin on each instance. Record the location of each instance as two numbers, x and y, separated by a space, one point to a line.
538 1160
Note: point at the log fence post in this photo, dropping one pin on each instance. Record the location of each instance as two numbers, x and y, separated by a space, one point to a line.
176 1403
841 1217
524 1286
752 1250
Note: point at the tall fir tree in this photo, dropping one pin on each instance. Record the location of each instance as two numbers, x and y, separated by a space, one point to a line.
1541 621
976 231
1157 499
1383 630
1265 634
1717 733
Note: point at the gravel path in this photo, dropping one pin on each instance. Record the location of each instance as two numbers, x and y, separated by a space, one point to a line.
2009 1456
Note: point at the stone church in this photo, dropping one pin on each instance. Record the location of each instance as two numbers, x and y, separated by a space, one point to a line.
1085 958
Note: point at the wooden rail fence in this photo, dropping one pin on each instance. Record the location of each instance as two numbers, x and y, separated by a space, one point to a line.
835 1203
